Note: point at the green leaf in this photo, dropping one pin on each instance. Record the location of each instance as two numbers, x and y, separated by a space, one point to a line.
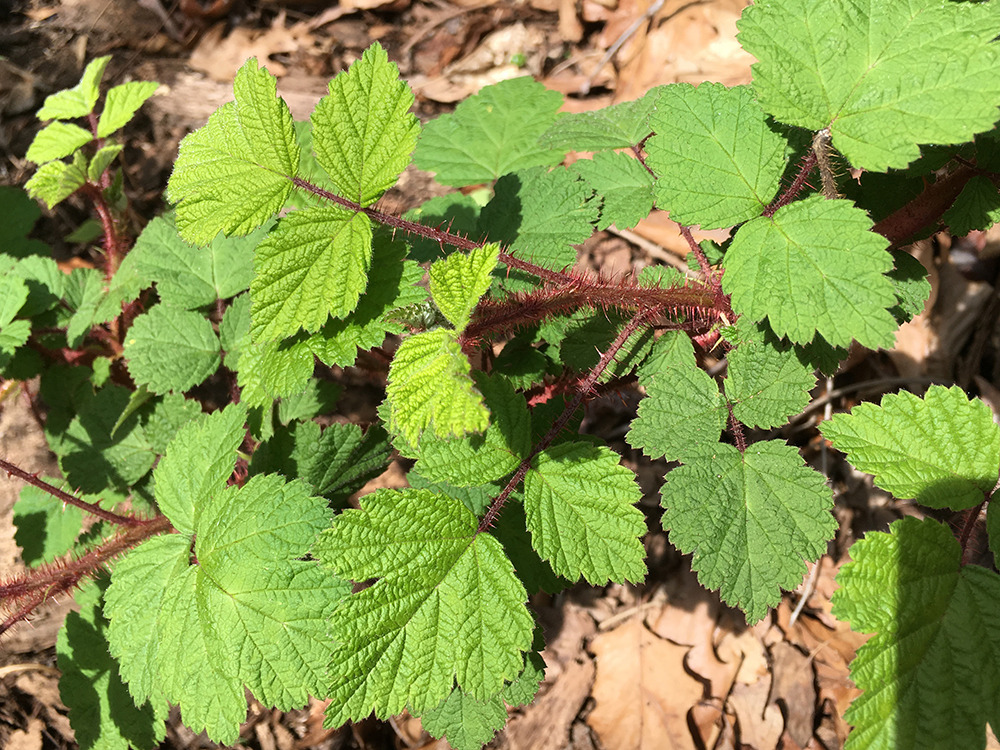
363 132
875 70
466 723
21 214
447 605
193 625
458 281
619 126
234 330
683 411
319 397
169 414
236 172
46 526
767 381
909 279
56 140
101 711
56 181
312 265
429 386
541 214
511 530
171 350
13 294
589 334
749 519
718 162
477 459
936 640
102 160
623 183
580 508
976 208
491 134
199 461
78 101
814 267
121 104
477 498
455 212
189 277
942 450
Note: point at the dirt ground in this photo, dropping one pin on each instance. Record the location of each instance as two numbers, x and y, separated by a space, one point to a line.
661 665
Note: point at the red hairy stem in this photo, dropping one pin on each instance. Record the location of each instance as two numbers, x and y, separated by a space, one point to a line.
971 519
585 387
92 508
713 278
114 249
806 167
24 593
637 150
542 394
736 426
926 208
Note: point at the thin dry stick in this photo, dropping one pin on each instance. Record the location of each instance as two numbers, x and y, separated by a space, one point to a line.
625 35
654 250
806 592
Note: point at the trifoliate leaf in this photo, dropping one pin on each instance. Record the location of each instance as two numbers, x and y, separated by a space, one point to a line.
977 207
241 608
541 214
92 457
363 132
168 349
620 126
429 386
717 160
46 526
458 281
56 181
750 519
936 640
56 140
683 410
623 183
872 71
101 711
236 172
78 101
491 134
121 104
455 212
312 265
189 277
767 381
476 459
580 509
814 267
942 450
447 606
102 160
199 460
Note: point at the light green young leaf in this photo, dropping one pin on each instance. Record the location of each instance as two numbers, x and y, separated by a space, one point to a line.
580 508
56 140
541 214
447 606
13 294
814 267
56 181
491 134
363 132
312 265
78 101
101 711
936 642
193 626
102 160
477 459
717 160
198 463
977 207
873 70
121 104
168 349
236 172
750 519
683 410
273 369
624 185
46 526
458 281
619 126
234 330
429 386
942 450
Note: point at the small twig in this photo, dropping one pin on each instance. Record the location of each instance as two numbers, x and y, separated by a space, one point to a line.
656 251
624 37
806 592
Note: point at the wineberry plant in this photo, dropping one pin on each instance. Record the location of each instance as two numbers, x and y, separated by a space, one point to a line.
182 380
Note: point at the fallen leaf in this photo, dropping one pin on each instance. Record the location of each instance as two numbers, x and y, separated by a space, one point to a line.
760 724
545 724
642 691
745 649
794 686
220 58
